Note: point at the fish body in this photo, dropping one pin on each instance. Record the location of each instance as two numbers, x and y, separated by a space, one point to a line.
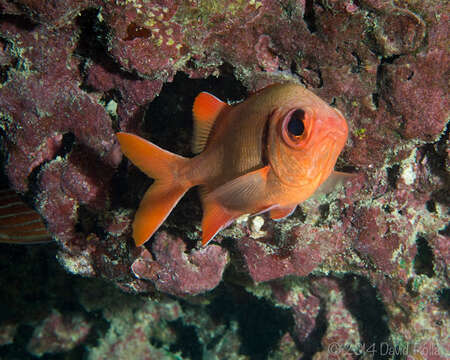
267 153
19 224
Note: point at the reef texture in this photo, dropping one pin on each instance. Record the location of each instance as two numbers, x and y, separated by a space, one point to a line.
374 252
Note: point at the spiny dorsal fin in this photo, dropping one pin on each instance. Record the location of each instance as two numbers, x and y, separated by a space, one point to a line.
205 110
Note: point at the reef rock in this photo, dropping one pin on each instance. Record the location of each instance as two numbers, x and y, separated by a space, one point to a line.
74 73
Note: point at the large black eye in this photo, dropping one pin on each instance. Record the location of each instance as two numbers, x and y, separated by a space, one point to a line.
295 125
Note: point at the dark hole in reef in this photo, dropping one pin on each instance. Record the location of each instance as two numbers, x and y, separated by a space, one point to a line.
431 206
92 44
393 173
20 21
187 341
388 209
309 17
87 220
423 261
356 69
436 154
66 144
444 298
362 301
375 99
299 214
4 74
345 168
261 324
168 118
324 210
445 231
33 283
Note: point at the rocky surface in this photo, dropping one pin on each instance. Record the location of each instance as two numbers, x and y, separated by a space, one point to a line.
375 252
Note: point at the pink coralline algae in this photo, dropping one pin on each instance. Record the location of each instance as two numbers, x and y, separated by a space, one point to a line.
74 73
57 334
174 272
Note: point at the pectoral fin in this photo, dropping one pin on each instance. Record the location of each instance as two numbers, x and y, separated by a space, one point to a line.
243 192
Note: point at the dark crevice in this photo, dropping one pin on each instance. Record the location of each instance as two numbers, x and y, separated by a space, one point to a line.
423 261
436 162
20 21
259 334
313 343
309 16
4 74
380 79
356 69
169 116
446 230
393 174
324 211
389 59
39 280
361 299
444 298
93 45
187 341
87 221
430 205
375 99
67 143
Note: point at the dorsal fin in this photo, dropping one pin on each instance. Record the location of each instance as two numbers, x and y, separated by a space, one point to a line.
205 110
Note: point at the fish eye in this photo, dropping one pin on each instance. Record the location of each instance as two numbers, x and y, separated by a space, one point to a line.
295 125
293 128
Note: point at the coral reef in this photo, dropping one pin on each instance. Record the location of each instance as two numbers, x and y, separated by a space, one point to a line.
374 252
58 334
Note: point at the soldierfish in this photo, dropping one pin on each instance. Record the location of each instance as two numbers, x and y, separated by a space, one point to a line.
267 153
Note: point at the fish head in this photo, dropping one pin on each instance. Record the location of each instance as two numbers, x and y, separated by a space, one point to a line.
305 137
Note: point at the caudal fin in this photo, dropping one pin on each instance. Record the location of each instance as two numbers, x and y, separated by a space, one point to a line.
164 193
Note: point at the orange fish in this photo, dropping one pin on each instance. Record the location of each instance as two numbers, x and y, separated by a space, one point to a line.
267 153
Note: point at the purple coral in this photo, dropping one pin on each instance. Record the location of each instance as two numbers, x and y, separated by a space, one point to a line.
175 272
73 74
58 334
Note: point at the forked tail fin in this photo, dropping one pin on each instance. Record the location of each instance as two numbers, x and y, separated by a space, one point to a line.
164 193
